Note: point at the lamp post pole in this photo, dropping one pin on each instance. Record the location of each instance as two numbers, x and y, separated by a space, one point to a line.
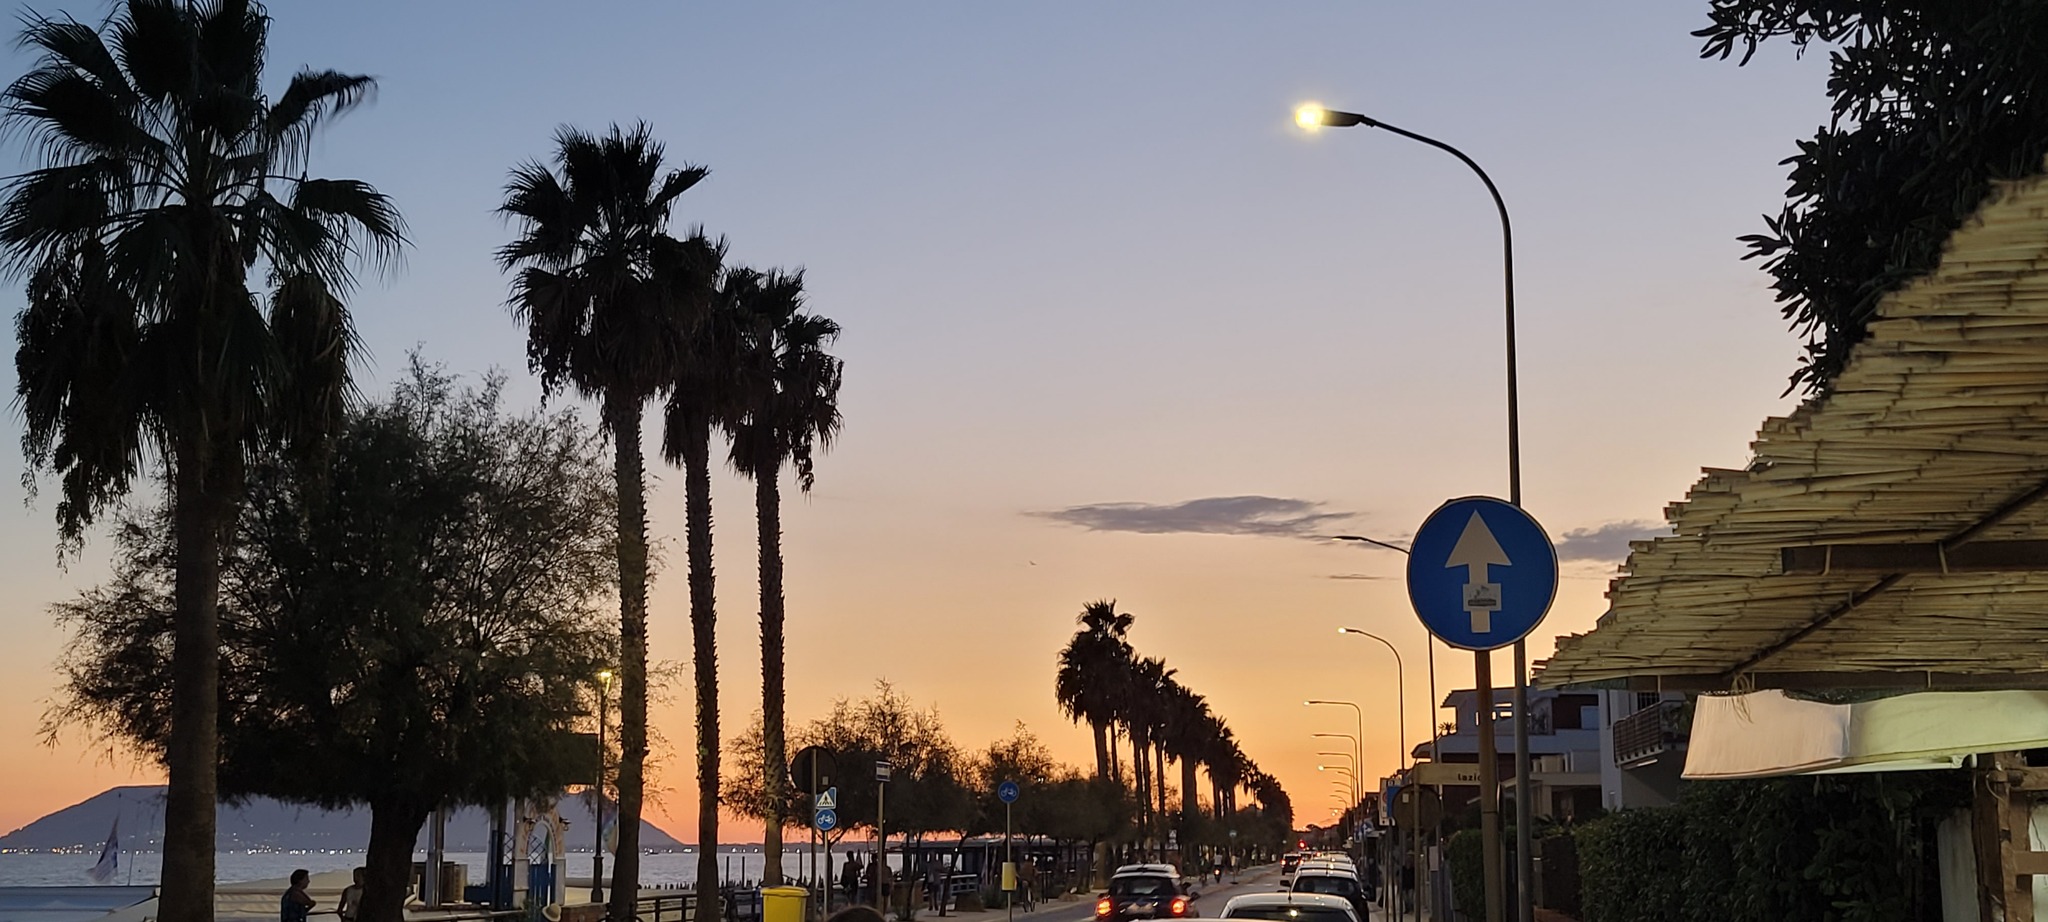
604 686
1489 784
1401 704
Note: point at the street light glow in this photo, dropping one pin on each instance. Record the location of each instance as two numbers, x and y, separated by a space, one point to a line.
1312 116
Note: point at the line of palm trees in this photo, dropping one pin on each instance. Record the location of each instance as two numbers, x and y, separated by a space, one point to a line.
622 311
187 287
1134 702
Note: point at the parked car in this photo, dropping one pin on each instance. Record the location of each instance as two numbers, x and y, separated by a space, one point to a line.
1291 907
1145 891
1331 879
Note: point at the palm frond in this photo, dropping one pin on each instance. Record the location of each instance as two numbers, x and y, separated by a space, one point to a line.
313 97
157 45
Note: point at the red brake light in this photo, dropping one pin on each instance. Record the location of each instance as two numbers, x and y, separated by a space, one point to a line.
1180 906
1103 907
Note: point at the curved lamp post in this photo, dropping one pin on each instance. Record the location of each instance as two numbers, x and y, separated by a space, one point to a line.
1358 757
1313 116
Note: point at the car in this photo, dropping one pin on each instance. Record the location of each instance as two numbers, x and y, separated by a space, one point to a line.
1291 907
1330 879
1145 891
1288 863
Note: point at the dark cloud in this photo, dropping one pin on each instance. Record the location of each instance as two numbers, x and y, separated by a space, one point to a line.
1607 542
1214 515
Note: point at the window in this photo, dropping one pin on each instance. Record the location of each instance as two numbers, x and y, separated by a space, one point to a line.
1293 914
1142 887
1323 883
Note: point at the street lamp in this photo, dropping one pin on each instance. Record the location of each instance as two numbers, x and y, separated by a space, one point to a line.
604 686
1358 758
1313 116
1400 688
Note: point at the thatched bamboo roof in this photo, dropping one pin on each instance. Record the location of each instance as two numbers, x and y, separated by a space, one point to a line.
1936 432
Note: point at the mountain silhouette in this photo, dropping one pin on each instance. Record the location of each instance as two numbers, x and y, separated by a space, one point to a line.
265 824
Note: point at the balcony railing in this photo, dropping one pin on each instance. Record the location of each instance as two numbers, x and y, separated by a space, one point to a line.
1648 733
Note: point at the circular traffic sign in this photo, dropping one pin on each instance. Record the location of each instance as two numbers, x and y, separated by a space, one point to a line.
811 769
826 820
1007 792
1481 573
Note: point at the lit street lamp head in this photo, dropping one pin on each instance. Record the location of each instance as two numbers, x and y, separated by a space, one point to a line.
1313 116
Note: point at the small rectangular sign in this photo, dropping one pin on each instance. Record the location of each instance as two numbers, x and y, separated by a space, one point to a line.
881 770
1451 773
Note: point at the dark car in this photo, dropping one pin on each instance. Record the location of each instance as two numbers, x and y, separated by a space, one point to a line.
1332 881
1144 891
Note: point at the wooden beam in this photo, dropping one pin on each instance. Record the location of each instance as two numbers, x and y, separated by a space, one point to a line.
1827 681
1920 558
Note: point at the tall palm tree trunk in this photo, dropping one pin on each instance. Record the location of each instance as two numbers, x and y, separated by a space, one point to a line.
1159 789
203 514
1141 775
696 439
1101 748
622 417
1190 800
768 509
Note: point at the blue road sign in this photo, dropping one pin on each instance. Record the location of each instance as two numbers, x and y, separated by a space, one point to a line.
1007 792
1481 573
826 820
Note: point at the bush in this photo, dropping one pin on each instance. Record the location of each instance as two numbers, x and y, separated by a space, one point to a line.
968 902
1465 856
1851 848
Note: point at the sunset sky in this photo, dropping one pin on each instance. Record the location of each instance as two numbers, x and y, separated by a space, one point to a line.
1095 283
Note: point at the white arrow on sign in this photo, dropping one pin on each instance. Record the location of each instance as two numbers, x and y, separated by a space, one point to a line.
1475 551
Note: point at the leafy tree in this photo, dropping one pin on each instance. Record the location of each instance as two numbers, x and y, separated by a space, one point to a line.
1933 103
788 407
609 299
170 178
928 788
409 626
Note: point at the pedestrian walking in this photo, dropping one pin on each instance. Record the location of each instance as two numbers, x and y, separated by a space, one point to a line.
885 883
1027 881
849 880
935 885
296 905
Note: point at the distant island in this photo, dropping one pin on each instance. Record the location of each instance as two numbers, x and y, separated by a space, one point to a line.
264 824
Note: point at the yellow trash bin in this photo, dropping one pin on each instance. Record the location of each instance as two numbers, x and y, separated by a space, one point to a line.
784 904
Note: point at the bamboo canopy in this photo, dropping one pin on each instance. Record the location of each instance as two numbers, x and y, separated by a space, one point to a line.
1936 435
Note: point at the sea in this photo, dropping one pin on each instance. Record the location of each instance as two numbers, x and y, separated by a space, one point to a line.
739 864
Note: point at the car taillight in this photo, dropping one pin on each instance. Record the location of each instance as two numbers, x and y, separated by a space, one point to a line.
1180 906
1103 907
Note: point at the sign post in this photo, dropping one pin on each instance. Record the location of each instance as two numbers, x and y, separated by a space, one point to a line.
1481 575
882 770
1007 793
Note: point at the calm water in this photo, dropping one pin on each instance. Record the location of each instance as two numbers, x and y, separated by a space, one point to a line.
45 869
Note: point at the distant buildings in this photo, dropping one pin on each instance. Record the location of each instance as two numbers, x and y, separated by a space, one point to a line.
1588 750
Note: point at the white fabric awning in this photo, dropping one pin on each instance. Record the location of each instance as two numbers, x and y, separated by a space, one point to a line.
1768 733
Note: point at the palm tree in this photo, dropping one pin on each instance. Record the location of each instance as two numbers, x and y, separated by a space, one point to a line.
608 297
1189 729
789 393
170 178
704 392
1091 667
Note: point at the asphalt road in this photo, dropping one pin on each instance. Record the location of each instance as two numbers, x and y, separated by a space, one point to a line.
1209 904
